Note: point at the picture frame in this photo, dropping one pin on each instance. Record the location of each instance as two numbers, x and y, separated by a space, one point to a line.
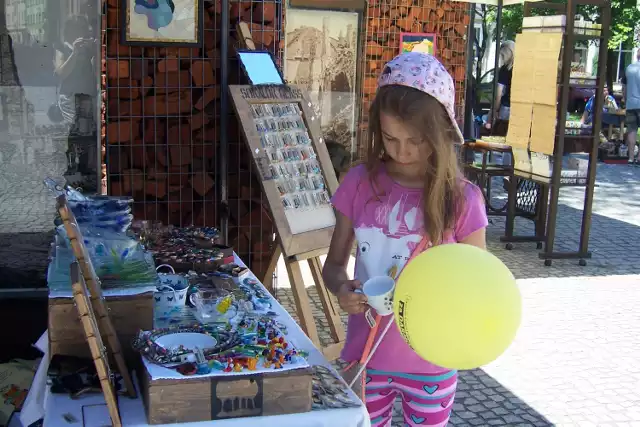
356 5
306 228
419 42
142 24
321 57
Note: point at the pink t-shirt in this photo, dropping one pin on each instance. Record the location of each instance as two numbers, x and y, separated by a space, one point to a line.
388 225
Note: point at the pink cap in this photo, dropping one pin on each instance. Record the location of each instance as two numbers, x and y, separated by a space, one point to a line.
423 72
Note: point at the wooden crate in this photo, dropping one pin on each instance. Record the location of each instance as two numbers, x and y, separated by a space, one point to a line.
129 315
204 399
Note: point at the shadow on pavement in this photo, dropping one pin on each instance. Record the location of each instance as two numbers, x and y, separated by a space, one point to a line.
614 244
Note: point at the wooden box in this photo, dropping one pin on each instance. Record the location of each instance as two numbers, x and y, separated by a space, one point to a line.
129 315
203 399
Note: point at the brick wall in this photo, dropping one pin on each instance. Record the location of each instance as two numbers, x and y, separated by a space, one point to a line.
161 118
386 19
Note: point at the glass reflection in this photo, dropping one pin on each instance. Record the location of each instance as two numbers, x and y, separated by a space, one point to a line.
49 65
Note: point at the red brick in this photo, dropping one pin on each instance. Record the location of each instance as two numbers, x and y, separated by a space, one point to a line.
139 68
204 151
119 108
179 134
157 189
168 65
262 34
202 73
157 173
172 82
178 175
132 181
179 156
137 157
168 104
123 131
210 94
118 159
264 12
117 69
198 120
155 131
157 156
123 89
201 183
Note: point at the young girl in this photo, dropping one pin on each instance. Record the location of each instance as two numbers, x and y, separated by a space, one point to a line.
410 188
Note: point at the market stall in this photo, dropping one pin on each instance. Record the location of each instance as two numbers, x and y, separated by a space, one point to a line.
204 341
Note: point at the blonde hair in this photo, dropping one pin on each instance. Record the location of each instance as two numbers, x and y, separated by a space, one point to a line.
442 194
507 53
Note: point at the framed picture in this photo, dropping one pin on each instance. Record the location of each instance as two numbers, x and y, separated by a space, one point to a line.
329 4
321 56
418 42
161 22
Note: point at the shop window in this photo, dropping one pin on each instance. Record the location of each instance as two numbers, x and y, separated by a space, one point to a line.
48 125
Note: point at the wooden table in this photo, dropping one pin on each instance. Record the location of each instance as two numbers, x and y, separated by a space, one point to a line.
132 411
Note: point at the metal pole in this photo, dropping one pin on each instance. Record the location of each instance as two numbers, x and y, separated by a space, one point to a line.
618 68
469 88
224 117
497 56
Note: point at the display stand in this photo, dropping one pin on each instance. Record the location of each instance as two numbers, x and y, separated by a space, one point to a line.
533 165
93 283
298 179
92 334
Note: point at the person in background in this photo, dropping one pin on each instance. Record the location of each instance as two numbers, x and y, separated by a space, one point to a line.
74 67
501 108
631 91
410 195
609 102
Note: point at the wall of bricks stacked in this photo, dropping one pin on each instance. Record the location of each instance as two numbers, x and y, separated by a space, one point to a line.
161 128
386 19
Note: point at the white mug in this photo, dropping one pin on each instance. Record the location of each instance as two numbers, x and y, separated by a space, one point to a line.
379 292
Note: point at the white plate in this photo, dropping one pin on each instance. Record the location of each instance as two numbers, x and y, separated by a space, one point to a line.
189 340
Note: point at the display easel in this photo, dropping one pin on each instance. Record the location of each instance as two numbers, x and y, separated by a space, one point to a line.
300 247
93 283
535 163
98 351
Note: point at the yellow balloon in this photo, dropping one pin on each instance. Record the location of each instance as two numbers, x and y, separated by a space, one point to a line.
457 306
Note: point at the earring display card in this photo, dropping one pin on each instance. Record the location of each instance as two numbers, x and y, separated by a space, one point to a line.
293 162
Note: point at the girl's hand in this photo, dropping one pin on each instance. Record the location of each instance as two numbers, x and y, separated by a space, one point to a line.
351 301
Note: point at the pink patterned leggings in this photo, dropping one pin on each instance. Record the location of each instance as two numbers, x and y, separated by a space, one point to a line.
426 399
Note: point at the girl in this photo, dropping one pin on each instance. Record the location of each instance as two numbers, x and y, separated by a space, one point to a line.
409 188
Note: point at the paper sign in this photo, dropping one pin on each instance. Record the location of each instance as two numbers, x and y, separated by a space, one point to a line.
543 129
545 79
523 69
519 125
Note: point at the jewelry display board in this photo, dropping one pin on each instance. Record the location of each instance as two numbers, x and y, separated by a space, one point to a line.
292 161
98 350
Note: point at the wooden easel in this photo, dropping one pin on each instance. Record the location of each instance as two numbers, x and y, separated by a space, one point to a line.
92 334
292 263
93 283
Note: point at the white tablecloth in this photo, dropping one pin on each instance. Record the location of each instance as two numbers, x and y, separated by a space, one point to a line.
133 413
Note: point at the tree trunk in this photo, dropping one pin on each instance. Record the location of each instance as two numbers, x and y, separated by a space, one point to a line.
612 63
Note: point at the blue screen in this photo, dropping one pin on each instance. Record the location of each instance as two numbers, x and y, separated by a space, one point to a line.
260 68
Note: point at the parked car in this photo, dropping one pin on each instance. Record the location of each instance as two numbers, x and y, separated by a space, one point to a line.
578 96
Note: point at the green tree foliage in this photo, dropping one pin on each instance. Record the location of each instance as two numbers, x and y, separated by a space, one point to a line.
625 18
